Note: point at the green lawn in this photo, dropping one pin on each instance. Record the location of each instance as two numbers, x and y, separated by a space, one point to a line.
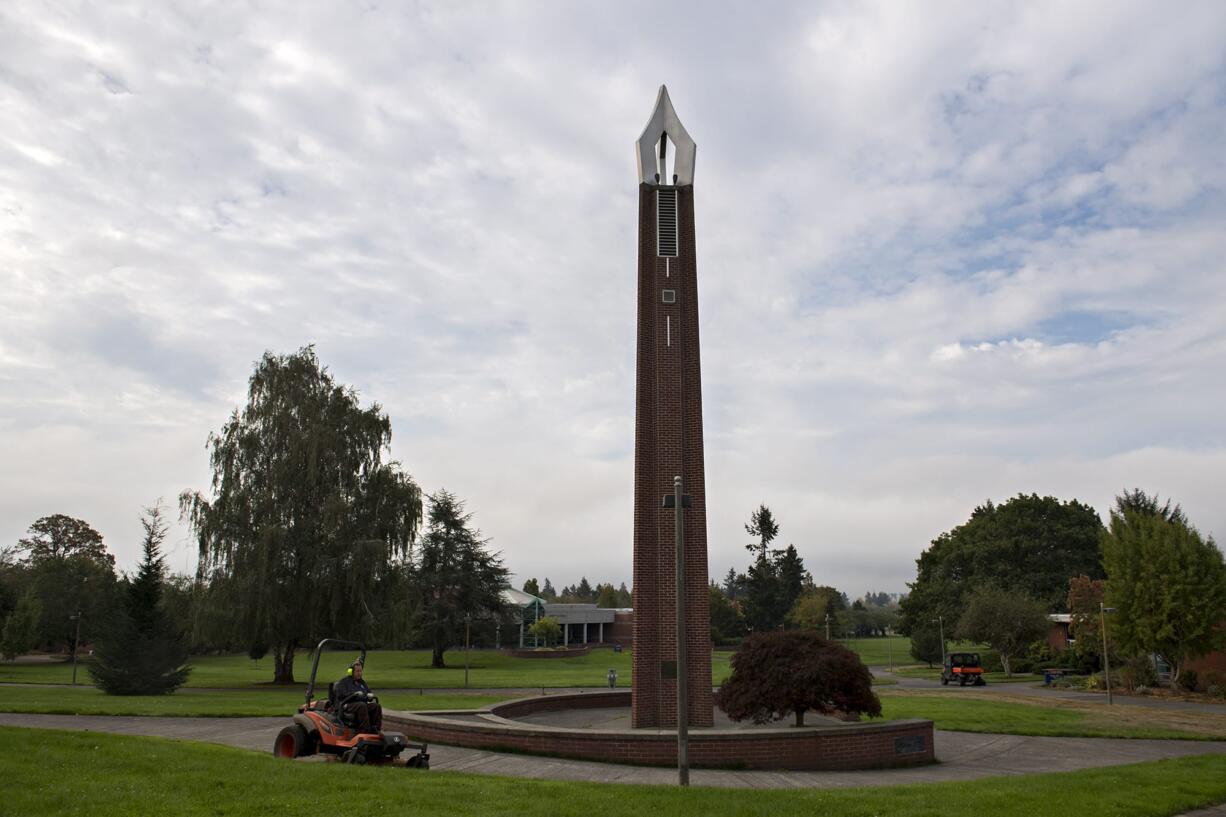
204 703
53 773
385 669
965 714
392 669
877 652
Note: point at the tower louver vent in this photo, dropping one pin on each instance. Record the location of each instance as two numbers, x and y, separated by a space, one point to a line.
666 223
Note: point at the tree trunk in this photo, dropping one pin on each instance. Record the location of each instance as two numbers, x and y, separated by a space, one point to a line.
283 664
1004 662
800 717
436 659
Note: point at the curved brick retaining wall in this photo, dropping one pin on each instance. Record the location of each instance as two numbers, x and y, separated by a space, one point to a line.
855 746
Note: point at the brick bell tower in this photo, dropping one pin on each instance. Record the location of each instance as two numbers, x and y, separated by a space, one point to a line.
668 432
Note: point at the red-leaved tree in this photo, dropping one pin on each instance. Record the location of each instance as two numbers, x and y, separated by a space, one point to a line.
777 673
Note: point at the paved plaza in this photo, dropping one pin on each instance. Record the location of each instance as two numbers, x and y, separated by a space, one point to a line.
962 755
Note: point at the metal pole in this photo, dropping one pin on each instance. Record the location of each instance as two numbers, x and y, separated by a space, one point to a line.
1102 618
941 624
467 627
683 698
75 643
827 626
889 644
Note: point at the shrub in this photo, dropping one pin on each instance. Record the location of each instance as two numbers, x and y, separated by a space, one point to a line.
547 629
926 645
784 672
1040 653
1187 680
1138 673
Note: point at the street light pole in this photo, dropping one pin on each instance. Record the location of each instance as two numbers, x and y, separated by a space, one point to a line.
468 619
940 620
683 697
1102 619
76 640
678 501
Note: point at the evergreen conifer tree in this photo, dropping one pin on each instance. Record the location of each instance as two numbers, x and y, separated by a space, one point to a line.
141 652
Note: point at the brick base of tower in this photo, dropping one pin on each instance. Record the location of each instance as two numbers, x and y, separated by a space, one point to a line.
667 443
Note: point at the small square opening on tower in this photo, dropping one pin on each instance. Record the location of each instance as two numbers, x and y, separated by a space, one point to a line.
670 296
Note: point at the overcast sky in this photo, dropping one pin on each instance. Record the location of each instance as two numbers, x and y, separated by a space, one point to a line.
946 253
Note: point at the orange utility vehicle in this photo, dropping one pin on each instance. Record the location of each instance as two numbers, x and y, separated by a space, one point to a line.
322 726
963 668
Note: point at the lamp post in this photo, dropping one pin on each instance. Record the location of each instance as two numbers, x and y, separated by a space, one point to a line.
678 501
1102 619
827 626
940 620
76 640
468 620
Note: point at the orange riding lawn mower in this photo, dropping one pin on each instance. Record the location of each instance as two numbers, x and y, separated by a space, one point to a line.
963 668
324 727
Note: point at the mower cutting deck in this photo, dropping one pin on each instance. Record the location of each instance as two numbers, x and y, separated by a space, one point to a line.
321 727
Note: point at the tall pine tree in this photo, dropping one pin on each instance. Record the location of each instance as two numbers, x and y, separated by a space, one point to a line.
142 653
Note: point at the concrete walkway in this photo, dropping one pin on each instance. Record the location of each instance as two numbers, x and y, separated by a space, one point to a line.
963 756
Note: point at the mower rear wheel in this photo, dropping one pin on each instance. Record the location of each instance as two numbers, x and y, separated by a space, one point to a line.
291 742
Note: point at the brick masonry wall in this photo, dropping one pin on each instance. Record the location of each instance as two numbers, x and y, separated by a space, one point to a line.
622 630
859 746
668 442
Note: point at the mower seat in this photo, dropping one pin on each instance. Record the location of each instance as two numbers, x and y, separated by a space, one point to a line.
331 705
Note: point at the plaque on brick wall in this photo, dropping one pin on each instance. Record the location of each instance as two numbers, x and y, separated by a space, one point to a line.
910 745
668 670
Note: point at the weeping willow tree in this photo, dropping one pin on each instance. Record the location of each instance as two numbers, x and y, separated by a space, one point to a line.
305 518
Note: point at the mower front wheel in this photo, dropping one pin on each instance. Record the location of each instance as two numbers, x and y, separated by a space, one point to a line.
291 742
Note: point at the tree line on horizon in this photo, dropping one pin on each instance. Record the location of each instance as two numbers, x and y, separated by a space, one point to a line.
583 592
307 532
996 578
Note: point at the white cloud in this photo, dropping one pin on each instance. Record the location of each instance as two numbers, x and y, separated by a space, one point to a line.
945 254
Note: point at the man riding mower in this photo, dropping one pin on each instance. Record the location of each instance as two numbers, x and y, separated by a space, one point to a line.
347 724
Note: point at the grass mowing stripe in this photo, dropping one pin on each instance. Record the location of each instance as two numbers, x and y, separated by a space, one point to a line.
69 773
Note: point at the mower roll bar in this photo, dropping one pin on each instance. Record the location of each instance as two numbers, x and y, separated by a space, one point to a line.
310 690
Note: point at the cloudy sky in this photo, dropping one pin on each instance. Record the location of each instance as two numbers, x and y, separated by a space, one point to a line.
947 252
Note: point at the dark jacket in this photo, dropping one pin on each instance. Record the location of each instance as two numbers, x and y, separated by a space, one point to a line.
347 686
